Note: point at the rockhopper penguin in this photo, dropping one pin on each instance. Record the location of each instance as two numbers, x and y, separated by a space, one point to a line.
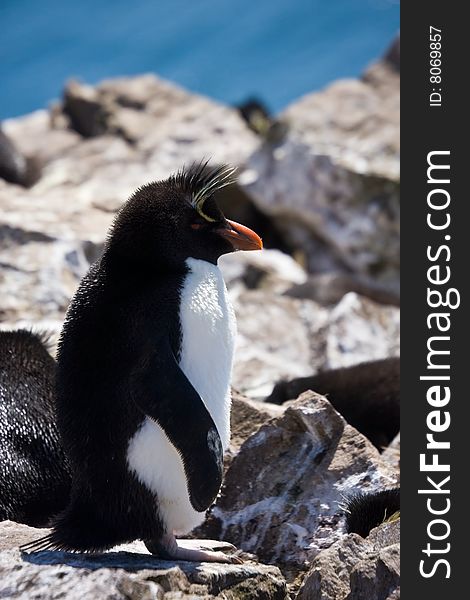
144 366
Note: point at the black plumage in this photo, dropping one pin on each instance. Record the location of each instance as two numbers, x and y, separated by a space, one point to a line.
34 474
366 511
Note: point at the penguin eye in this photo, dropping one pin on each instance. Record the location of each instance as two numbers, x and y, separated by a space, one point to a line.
199 223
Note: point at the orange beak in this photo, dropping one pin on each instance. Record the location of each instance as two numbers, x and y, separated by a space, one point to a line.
241 237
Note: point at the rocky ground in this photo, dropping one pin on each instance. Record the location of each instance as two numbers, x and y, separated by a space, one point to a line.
324 294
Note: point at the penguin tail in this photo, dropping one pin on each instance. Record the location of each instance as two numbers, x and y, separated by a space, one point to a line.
47 542
65 541
79 528
59 537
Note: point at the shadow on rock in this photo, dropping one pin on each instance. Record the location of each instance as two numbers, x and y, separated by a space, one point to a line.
130 561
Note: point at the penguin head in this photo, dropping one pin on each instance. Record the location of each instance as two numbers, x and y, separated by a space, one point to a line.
168 221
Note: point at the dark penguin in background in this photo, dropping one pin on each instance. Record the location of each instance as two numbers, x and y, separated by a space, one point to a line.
366 394
257 117
144 366
366 511
34 475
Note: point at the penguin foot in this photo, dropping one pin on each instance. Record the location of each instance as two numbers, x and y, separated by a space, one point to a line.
169 548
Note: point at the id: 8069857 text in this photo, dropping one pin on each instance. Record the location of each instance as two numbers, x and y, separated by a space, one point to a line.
435 62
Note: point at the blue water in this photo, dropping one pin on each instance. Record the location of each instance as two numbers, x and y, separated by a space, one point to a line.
227 49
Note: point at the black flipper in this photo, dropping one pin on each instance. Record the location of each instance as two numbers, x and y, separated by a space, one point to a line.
163 392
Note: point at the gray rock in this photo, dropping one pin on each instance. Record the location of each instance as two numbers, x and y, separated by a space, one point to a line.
275 334
283 490
332 185
340 220
378 577
283 338
383 74
328 577
386 534
391 454
128 572
38 275
14 166
85 180
269 270
359 330
329 288
160 118
246 418
392 55
24 581
82 105
29 133
355 121
354 568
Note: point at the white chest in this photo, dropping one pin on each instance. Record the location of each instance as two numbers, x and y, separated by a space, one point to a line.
208 336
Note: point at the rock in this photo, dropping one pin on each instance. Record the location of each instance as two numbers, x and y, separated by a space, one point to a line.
14 534
328 289
392 56
339 220
22 580
282 492
128 572
383 73
38 275
359 330
385 535
379 578
86 113
332 185
29 133
160 118
355 121
268 270
85 180
354 568
328 578
285 338
391 454
275 335
14 167
247 416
